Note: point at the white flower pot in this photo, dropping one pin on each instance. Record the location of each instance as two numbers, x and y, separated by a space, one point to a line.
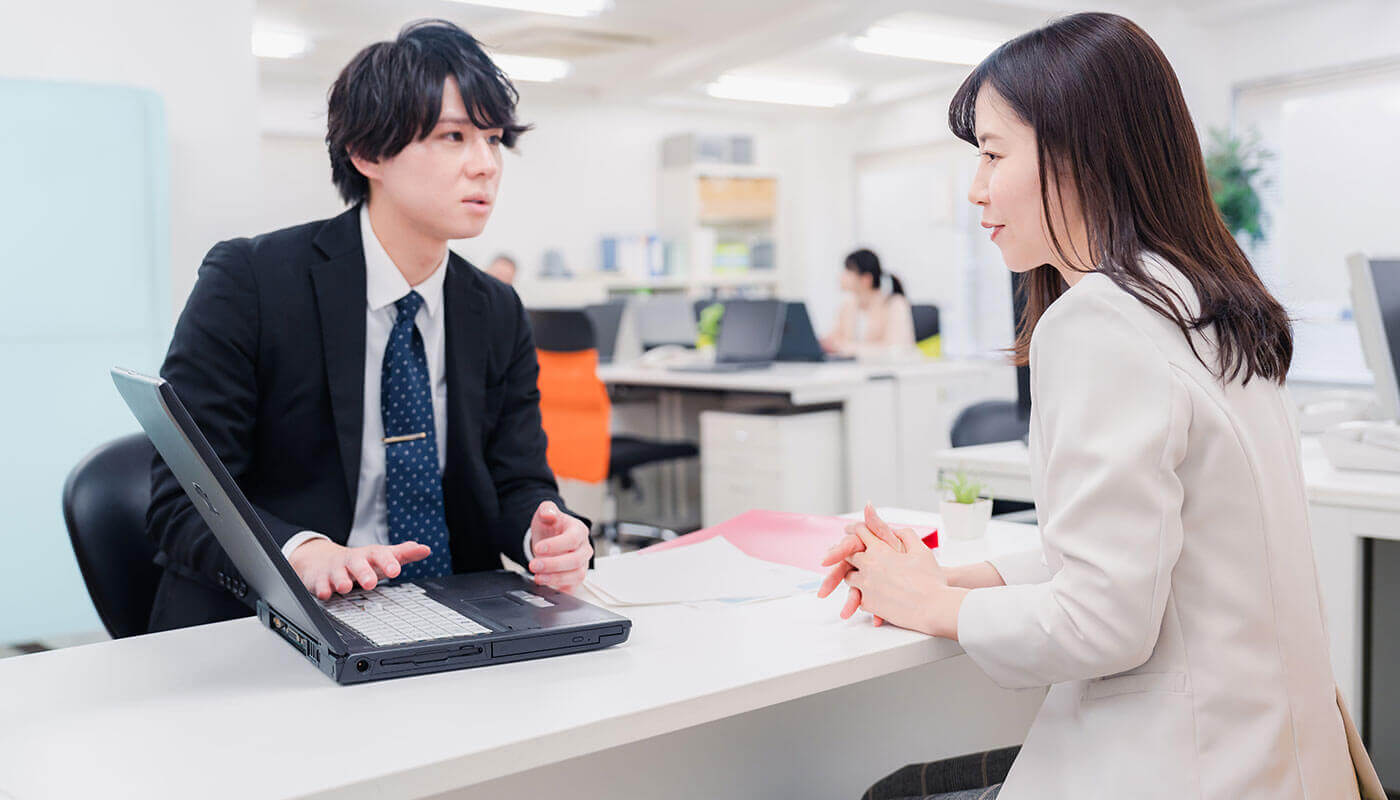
964 521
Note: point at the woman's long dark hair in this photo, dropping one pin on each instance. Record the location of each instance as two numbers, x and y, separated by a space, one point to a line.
865 262
1109 115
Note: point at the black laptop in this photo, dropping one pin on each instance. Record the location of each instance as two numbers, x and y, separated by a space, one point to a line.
398 628
749 334
799 340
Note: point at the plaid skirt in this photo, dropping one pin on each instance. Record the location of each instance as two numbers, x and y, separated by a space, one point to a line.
977 776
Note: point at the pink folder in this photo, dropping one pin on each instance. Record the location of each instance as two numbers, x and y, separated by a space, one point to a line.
798 540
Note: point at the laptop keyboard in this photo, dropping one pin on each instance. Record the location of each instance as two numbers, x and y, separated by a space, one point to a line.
400 614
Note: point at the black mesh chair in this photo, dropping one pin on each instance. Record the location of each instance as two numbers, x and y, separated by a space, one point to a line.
925 321
104 507
572 331
992 421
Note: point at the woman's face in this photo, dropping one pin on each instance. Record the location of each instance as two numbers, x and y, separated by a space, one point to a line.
1007 187
854 281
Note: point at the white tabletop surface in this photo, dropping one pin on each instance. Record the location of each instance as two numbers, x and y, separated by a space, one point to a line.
1325 484
814 381
228 710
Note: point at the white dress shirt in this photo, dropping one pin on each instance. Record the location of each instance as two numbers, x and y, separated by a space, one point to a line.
384 286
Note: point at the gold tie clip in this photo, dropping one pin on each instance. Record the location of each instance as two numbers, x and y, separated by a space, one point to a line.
405 438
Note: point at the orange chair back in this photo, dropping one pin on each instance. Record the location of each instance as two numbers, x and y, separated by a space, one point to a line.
576 414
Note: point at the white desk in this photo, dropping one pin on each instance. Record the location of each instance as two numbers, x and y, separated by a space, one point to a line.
894 415
779 699
1344 507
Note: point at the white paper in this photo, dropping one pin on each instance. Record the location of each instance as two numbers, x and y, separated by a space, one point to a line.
713 570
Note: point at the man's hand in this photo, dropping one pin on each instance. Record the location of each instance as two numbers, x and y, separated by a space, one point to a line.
326 567
561 548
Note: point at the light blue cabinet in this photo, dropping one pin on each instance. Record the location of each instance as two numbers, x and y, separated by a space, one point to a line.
85 253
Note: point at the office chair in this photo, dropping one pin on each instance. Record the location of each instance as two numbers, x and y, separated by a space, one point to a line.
576 413
993 421
607 323
925 321
104 508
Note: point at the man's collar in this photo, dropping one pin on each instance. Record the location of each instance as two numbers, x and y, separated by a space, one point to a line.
384 284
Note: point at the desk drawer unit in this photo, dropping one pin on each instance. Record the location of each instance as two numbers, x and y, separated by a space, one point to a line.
775 462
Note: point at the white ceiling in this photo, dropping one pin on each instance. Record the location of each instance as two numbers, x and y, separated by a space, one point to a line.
666 50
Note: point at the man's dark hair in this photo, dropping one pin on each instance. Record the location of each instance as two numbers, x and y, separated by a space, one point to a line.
390 95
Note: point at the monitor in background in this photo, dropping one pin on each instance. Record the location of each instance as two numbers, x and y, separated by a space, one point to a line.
1372 444
666 319
1375 302
607 320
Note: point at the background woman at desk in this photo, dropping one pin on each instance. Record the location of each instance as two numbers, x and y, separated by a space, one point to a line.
1173 609
875 319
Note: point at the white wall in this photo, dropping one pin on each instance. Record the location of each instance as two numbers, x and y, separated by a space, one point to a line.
589 170
1212 59
197 57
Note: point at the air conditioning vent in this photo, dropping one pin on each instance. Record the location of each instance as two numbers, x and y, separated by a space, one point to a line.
565 43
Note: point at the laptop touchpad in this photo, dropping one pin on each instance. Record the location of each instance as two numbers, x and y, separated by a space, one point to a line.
504 612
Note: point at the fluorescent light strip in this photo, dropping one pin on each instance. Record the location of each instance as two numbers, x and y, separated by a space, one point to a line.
563 8
531 68
771 90
279 44
925 46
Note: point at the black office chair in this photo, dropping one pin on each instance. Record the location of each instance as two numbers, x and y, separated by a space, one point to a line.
104 507
925 321
572 331
607 323
992 421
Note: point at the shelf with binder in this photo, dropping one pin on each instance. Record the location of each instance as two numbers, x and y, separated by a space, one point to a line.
723 221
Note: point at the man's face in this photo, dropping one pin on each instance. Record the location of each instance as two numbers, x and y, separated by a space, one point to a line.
443 185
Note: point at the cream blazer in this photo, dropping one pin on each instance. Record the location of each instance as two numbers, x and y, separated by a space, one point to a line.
1174 609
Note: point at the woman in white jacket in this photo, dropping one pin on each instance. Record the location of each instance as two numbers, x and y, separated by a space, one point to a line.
1173 609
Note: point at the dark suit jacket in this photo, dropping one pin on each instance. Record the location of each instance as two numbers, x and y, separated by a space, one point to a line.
269 358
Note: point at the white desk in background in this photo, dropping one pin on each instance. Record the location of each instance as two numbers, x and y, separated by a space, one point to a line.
1345 507
776 699
904 409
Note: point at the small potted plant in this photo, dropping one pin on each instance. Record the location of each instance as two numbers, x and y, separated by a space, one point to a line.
967 508
711 317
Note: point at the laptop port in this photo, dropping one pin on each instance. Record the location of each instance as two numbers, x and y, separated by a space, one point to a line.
362 665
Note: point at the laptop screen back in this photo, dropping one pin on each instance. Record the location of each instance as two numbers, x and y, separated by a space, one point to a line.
750 331
219 501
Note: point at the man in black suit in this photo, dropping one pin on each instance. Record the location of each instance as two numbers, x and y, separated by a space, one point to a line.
372 392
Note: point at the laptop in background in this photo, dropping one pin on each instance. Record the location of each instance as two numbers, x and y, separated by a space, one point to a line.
749 335
799 340
398 628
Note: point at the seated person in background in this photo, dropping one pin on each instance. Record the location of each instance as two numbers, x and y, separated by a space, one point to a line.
372 393
872 323
502 269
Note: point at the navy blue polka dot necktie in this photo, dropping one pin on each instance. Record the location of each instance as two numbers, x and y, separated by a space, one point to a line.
413 482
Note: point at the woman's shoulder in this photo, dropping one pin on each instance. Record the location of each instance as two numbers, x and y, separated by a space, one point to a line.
1096 309
1099 300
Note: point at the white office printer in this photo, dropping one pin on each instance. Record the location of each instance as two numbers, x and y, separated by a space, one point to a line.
1360 430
